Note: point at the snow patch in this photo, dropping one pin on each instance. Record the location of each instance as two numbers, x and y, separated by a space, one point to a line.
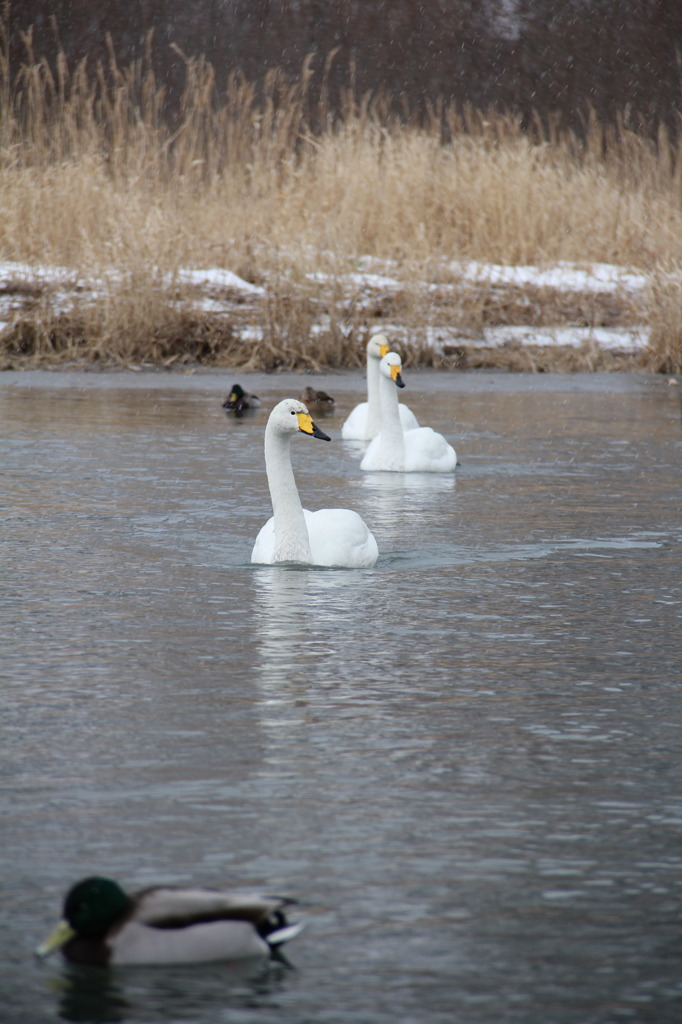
621 339
574 277
218 277
59 288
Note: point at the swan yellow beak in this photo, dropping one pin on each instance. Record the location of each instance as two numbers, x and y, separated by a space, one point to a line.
306 425
59 937
396 377
383 349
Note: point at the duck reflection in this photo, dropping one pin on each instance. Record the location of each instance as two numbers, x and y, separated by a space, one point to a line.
201 992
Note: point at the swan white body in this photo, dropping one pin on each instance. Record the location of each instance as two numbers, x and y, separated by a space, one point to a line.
335 537
421 450
364 422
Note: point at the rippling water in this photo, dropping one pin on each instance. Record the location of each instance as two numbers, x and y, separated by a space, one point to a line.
464 763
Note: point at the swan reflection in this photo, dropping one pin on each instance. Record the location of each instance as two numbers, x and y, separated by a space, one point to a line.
392 495
300 618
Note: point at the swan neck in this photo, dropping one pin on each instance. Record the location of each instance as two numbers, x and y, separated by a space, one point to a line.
392 441
373 397
292 543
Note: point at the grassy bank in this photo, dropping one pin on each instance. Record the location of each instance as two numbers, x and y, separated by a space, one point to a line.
93 181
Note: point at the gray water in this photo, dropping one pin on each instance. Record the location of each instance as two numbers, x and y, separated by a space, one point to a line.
464 763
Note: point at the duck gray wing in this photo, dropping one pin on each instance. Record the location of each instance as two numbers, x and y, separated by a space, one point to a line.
170 907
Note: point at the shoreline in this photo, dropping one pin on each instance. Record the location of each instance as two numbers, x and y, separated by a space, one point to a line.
558 317
342 381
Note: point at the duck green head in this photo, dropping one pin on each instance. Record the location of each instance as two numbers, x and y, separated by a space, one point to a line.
94 905
91 908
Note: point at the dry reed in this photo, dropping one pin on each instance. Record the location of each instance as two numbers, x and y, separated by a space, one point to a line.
95 180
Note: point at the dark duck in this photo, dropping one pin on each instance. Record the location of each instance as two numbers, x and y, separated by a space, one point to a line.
239 401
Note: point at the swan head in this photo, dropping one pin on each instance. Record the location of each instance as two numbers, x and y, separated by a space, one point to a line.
377 346
291 417
390 366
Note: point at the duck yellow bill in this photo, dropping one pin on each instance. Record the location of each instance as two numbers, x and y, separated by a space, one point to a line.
305 423
59 937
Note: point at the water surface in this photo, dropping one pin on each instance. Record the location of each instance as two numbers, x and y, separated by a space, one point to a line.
465 763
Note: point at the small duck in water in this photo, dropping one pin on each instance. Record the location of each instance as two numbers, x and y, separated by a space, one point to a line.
318 402
239 401
103 925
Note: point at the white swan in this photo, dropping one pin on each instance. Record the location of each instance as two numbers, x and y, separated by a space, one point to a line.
331 536
415 451
364 421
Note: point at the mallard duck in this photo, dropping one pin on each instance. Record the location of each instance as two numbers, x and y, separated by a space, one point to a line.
331 536
421 450
363 422
318 402
104 925
239 402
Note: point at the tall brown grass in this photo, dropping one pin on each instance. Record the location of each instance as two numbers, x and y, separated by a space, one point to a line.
94 178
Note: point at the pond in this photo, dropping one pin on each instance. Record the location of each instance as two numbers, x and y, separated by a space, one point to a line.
463 763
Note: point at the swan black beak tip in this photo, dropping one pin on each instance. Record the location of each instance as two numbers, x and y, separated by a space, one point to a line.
400 383
320 433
